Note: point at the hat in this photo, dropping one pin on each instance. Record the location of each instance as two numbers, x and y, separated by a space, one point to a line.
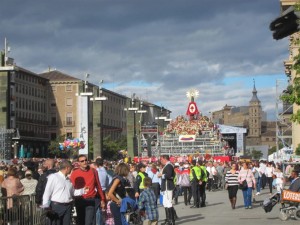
177 164
141 165
28 172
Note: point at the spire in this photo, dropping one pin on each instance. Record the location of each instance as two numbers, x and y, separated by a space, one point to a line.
254 92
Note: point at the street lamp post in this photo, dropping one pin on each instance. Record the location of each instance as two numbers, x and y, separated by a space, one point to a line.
100 98
133 109
141 112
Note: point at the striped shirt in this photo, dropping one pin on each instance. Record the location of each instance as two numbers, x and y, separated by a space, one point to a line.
232 179
147 202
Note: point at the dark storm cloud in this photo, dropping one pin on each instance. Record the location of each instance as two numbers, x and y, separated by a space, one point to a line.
173 45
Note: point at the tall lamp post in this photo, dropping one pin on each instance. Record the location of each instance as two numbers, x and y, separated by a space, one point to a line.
132 109
141 112
100 98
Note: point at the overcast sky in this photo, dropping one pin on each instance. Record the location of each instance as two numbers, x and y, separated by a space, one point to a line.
157 49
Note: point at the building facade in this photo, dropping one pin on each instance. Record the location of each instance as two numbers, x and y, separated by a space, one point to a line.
290 72
38 108
252 117
24 108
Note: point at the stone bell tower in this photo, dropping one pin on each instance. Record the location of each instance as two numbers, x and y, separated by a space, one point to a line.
255 115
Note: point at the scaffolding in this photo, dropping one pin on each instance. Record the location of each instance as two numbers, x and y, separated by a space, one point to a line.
283 123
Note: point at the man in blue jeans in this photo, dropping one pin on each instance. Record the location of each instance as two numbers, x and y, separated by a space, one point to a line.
104 181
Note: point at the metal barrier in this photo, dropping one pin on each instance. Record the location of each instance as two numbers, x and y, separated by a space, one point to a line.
21 210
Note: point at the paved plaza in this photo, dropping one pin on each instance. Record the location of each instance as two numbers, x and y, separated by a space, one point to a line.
218 211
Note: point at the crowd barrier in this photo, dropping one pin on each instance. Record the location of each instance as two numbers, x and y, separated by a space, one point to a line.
21 210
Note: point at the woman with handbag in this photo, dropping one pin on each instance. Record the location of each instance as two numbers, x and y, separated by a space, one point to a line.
247 184
232 183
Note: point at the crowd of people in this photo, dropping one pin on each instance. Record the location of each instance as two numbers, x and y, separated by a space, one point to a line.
102 191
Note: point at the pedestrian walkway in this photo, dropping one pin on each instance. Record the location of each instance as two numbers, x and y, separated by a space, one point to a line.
218 211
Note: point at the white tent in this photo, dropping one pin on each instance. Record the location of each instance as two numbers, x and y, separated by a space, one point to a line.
283 154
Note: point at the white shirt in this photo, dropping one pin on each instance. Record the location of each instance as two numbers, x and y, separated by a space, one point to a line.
59 189
269 171
262 168
212 171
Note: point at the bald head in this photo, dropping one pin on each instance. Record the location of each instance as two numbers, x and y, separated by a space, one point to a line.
49 163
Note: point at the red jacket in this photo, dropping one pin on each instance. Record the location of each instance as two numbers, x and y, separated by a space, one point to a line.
89 178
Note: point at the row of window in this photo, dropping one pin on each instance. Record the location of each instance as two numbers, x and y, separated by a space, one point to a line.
68 88
30 105
32 128
30 91
114 111
28 78
30 116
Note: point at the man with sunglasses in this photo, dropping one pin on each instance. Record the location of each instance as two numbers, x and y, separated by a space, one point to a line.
86 177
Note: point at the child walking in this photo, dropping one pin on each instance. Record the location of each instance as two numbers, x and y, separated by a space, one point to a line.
147 203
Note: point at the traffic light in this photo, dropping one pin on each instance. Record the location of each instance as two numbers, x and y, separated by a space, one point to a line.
286 24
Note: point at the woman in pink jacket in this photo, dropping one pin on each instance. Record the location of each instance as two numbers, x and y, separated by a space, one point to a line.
11 186
246 174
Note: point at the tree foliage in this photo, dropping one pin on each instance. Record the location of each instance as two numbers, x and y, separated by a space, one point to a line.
111 147
274 149
256 154
297 150
292 93
53 148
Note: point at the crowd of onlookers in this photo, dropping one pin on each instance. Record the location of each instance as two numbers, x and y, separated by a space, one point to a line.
99 188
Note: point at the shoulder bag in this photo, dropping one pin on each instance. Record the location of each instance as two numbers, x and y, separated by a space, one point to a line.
244 184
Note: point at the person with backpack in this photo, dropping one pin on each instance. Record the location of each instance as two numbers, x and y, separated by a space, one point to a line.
185 184
41 185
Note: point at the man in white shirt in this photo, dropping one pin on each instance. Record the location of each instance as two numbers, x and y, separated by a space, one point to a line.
58 195
262 170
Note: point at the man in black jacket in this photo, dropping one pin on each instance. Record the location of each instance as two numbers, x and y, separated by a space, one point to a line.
167 186
41 185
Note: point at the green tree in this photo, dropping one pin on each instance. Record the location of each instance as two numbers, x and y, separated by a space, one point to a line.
256 154
274 149
292 93
53 148
297 150
55 151
111 147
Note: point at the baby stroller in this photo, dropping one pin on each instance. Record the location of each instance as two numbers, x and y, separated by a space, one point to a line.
129 212
270 202
289 205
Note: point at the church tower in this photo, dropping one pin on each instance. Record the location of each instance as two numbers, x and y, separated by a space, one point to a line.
255 115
